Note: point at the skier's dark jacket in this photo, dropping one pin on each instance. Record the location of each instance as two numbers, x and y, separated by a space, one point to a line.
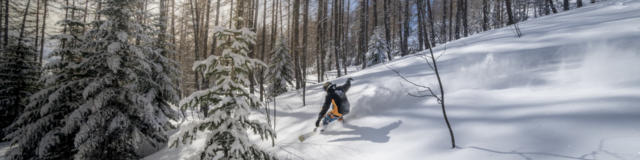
336 97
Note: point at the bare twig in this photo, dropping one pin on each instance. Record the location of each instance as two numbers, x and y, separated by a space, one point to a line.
431 94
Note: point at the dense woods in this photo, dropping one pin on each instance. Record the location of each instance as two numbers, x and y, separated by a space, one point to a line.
81 76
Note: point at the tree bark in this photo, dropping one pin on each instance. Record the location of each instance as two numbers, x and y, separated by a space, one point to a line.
579 3
432 31
345 37
444 113
320 39
553 7
336 34
295 45
387 34
24 20
443 33
459 15
375 13
305 26
6 23
363 31
406 29
421 31
264 41
84 17
450 20
44 26
509 13
485 15
465 18
38 25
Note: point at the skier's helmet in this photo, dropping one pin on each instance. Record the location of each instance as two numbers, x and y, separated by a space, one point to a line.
326 85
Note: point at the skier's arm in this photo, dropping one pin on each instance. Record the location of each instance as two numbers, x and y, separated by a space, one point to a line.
346 86
325 107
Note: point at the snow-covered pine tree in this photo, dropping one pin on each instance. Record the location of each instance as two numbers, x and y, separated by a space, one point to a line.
226 128
19 73
102 97
280 71
378 48
38 133
165 72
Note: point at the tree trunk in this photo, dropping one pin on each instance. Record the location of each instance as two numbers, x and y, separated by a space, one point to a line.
325 31
305 38
432 31
509 13
345 36
450 20
485 16
565 5
465 18
6 23
231 15
44 24
443 37
579 3
363 32
205 42
375 13
264 41
38 25
421 31
295 48
406 29
336 34
387 34
214 39
444 113
459 15
251 24
319 39
553 7
84 17
24 20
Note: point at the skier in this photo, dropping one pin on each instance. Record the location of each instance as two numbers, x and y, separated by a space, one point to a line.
337 98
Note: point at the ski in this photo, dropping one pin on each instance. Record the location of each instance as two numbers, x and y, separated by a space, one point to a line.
306 136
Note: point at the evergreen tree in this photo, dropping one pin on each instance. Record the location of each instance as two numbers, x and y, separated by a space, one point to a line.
19 73
280 71
229 100
39 133
378 48
104 95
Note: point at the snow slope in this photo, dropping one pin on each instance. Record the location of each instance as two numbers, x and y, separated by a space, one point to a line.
568 89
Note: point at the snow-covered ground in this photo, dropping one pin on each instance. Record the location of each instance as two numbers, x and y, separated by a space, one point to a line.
568 89
4 147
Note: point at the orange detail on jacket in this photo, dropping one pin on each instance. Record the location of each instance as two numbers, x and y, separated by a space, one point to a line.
334 111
